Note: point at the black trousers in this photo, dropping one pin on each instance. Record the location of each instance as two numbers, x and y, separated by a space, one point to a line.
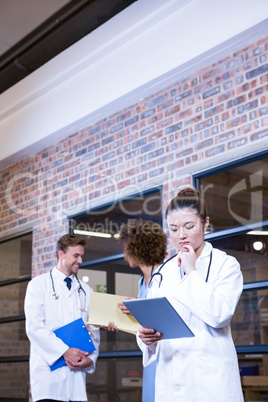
53 400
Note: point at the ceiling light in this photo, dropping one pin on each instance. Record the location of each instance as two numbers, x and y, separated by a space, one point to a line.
96 234
258 232
258 245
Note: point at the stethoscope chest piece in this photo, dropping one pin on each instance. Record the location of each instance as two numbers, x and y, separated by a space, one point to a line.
55 295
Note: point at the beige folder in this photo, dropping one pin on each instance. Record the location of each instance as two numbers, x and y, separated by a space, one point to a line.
103 309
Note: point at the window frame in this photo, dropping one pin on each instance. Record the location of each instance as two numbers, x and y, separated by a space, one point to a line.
17 318
14 280
94 263
252 286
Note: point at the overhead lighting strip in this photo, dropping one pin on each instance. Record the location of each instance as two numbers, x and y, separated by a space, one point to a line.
89 233
258 232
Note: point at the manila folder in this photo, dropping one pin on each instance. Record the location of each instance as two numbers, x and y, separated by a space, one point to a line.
103 309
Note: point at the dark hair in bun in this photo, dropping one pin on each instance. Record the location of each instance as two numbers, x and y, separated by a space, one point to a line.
188 198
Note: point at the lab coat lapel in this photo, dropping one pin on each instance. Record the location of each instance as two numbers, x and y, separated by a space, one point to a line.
59 282
75 284
202 262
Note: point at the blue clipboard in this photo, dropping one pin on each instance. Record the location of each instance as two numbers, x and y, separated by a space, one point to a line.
75 335
158 313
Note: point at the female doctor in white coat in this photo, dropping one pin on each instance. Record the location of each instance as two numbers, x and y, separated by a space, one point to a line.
49 304
204 285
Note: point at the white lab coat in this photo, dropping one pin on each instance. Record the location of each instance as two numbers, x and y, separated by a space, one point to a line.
45 314
203 368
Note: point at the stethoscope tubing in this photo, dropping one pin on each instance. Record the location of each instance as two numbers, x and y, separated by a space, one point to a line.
55 295
161 276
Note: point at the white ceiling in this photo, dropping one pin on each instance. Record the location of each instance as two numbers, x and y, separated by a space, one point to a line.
19 17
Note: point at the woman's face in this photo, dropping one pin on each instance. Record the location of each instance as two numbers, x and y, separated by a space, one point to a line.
186 228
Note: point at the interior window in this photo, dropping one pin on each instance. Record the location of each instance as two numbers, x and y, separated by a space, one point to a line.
105 270
237 201
15 273
100 226
237 196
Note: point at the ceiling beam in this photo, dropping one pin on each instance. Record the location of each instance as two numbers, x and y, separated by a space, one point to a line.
70 24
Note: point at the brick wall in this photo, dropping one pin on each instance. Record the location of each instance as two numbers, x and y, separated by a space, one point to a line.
216 114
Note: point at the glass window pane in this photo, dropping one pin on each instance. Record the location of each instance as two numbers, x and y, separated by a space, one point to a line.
238 196
103 277
252 364
16 261
112 341
107 221
114 276
126 285
96 279
116 379
123 280
250 322
254 263
248 327
12 299
14 381
13 339
16 257
255 388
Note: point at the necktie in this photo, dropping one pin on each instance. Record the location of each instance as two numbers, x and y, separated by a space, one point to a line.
68 282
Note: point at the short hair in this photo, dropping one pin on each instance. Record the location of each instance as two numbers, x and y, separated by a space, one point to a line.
188 198
144 241
69 240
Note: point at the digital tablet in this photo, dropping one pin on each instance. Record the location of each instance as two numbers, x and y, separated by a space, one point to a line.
158 314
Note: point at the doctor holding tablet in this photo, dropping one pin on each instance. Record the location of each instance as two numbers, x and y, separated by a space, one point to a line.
204 285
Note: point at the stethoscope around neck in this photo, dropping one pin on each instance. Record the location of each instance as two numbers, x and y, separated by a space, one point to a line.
158 273
56 296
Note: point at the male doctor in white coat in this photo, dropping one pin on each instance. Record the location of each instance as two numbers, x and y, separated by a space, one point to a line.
50 304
